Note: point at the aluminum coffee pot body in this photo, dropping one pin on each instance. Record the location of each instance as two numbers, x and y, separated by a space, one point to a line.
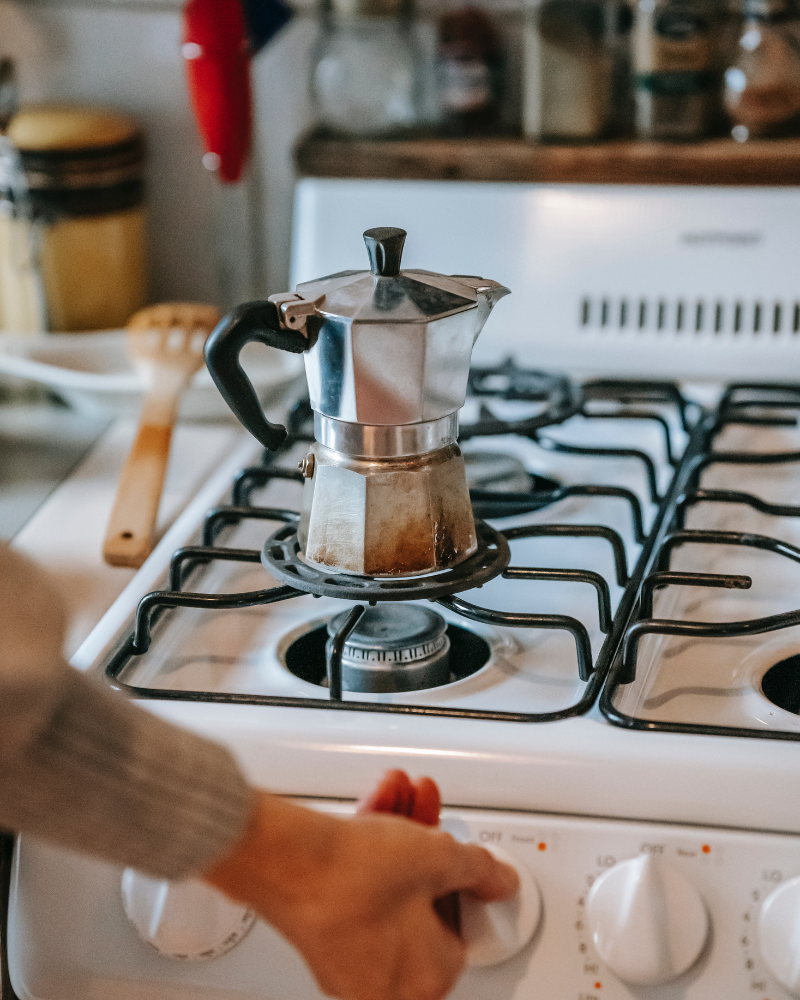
387 355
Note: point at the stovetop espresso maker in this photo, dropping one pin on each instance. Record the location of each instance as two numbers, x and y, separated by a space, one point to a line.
387 354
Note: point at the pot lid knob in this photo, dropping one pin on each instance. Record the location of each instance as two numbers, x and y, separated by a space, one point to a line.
385 249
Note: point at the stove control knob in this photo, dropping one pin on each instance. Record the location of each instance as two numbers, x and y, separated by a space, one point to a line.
779 934
183 920
495 932
648 922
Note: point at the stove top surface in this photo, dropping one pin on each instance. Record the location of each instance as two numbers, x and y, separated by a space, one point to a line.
737 519
547 623
214 639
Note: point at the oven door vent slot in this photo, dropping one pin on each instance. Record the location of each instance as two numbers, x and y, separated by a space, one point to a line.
690 316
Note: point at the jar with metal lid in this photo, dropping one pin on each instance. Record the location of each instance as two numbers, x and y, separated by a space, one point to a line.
367 73
762 87
676 68
84 168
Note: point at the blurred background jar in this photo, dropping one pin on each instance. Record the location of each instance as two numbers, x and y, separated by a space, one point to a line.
570 68
676 68
22 308
84 169
369 74
762 87
469 72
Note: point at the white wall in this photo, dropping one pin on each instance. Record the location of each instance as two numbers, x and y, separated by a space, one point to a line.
205 243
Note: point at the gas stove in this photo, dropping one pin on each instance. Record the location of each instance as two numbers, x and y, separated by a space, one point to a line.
565 544
605 691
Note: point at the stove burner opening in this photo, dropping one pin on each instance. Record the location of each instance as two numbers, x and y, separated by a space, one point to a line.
394 647
781 684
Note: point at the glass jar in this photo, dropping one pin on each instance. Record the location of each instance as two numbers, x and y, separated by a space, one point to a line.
469 72
84 170
366 75
762 87
676 68
569 70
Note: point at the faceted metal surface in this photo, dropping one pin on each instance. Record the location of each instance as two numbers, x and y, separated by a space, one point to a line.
388 517
394 350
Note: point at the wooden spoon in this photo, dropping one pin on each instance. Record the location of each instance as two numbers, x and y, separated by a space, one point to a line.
165 344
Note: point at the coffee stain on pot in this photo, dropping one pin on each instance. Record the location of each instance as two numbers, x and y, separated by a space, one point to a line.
396 518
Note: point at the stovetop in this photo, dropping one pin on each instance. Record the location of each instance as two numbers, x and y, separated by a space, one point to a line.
225 631
603 581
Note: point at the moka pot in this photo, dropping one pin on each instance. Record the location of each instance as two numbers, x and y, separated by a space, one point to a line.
387 354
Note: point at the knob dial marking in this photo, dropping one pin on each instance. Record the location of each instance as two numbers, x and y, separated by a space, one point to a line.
648 922
187 921
779 934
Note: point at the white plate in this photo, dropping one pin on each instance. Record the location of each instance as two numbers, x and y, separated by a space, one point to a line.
92 371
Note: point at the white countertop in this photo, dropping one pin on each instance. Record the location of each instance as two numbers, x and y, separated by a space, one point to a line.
66 533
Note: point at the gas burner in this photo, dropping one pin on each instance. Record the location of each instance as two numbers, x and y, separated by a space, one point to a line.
494 470
394 647
281 557
781 684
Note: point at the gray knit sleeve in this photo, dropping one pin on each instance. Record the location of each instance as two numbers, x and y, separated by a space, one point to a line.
84 768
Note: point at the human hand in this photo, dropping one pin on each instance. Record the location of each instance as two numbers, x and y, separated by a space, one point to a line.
420 801
357 897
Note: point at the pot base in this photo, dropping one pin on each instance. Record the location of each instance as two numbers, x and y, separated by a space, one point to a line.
388 517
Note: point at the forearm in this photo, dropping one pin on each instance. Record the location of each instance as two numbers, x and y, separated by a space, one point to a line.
100 775
87 769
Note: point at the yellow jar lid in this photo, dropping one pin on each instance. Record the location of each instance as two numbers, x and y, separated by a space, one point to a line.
54 127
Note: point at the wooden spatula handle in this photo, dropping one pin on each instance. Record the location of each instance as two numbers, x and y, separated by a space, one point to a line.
168 340
129 535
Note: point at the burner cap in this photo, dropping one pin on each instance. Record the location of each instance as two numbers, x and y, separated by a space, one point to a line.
394 647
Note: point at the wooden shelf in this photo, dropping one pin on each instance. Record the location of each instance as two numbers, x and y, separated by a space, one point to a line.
714 161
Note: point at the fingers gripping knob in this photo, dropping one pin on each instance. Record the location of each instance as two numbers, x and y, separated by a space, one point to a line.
183 920
495 932
648 922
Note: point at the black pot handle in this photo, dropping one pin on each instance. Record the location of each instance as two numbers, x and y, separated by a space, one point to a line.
252 321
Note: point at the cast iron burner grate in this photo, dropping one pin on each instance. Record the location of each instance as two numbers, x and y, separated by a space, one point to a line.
282 559
756 404
561 400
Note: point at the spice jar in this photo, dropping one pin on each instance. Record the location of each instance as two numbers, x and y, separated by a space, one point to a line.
365 76
676 80
469 70
569 70
84 168
762 87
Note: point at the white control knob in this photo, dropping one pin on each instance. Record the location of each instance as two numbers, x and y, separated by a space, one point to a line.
779 934
495 932
183 920
648 922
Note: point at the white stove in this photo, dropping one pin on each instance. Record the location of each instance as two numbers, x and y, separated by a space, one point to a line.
652 797
572 799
